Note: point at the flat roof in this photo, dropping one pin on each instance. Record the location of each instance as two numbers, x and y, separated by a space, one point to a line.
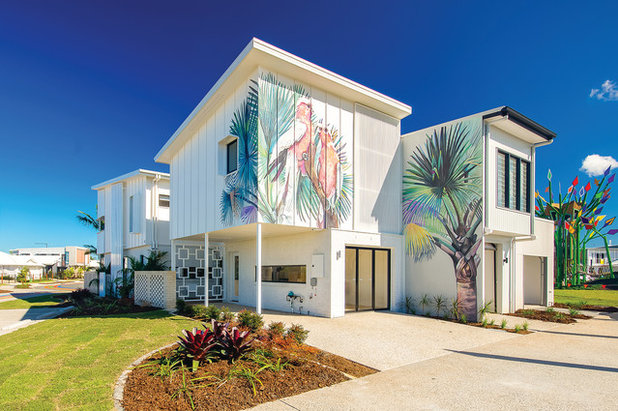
132 174
259 53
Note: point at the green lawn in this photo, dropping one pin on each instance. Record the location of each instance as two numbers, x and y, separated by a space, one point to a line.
591 297
32 302
73 363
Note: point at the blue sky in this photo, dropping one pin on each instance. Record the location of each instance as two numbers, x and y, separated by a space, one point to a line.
91 90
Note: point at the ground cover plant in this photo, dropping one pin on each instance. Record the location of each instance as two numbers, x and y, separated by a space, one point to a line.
40 301
586 299
86 303
232 366
551 315
73 363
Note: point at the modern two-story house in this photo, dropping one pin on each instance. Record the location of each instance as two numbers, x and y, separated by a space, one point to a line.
134 211
291 187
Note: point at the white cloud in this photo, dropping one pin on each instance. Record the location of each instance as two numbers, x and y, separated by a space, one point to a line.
595 165
607 92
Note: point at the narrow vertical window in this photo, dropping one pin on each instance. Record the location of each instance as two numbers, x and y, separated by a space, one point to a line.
131 222
501 179
513 186
232 156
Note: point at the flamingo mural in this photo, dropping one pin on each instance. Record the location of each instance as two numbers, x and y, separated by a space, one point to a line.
295 155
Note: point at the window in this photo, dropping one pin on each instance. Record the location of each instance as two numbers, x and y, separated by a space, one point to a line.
284 273
164 200
513 182
232 156
131 217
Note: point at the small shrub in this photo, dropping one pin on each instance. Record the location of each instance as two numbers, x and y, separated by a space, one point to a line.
424 302
484 322
573 312
550 309
181 306
560 316
226 315
276 328
298 333
492 322
251 320
455 308
525 326
517 328
409 305
212 312
503 324
80 295
439 304
463 318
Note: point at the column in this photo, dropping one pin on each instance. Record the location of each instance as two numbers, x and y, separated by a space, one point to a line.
206 255
258 269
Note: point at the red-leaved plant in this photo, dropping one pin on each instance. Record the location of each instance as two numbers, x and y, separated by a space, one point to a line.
234 343
197 343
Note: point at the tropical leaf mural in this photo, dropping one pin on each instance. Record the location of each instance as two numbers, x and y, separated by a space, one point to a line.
287 153
442 203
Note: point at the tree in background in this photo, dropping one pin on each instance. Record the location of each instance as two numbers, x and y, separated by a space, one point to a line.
578 220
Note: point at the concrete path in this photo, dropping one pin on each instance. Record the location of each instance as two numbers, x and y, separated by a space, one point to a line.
11 320
561 367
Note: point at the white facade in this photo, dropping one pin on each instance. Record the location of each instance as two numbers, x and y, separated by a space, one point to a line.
355 198
295 173
134 209
515 249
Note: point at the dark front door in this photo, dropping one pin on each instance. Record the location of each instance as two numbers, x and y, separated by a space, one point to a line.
367 278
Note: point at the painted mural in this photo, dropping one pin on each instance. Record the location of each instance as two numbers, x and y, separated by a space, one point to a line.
442 204
293 167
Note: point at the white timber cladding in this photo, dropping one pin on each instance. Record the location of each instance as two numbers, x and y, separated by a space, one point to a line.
377 172
197 182
134 187
499 218
114 225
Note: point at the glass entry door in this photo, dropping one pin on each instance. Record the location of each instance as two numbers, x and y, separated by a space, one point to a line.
367 278
235 277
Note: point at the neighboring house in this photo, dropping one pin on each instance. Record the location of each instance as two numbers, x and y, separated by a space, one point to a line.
11 265
134 212
56 259
468 209
598 263
292 171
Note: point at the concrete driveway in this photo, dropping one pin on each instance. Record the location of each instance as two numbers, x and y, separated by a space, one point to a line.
384 340
559 367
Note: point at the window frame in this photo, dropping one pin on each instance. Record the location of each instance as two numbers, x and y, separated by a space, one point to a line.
518 183
165 199
303 266
227 156
131 214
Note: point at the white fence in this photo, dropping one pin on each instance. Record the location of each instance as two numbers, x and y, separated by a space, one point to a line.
88 277
155 288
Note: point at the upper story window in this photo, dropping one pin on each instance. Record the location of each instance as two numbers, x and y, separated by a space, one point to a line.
513 182
164 200
232 156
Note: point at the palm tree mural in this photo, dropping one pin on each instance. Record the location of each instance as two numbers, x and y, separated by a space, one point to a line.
277 131
442 206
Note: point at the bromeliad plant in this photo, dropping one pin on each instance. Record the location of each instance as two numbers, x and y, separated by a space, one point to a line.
217 341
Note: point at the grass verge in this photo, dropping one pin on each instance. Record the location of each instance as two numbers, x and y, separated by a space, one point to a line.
41 301
73 363
589 297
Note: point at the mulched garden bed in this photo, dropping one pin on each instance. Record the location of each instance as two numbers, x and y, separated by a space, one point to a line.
550 316
5 291
588 307
210 388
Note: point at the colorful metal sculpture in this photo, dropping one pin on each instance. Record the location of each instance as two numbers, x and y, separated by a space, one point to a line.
578 220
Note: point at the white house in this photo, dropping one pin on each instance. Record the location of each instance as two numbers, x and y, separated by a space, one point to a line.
598 261
134 211
296 173
468 210
56 258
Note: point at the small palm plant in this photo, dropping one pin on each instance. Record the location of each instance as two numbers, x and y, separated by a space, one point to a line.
485 309
424 301
439 303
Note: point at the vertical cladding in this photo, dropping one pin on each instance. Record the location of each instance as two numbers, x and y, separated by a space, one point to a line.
442 206
378 179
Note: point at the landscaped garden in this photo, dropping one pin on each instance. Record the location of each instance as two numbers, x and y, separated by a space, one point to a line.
234 365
